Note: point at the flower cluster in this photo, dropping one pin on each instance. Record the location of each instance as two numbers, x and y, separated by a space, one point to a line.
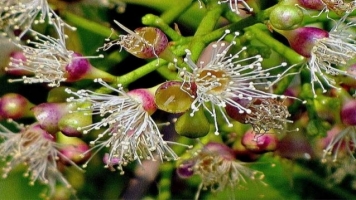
217 76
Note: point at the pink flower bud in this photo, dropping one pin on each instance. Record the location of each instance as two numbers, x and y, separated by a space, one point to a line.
312 4
219 149
14 106
302 40
73 150
49 114
235 113
80 68
186 169
259 143
348 113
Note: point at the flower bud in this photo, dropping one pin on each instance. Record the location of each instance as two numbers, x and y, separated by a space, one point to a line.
145 42
111 162
235 113
259 143
186 169
174 96
155 43
302 40
14 106
286 17
74 149
146 98
242 153
219 149
80 68
348 113
70 124
312 4
58 95
49 114
195 126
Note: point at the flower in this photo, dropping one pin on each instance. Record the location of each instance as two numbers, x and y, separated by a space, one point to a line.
328 53
51 62
132 133
145 42
266 114
22 14
339 6
37 150
215 164
225 78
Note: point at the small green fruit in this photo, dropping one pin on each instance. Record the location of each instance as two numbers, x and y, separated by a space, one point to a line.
193 126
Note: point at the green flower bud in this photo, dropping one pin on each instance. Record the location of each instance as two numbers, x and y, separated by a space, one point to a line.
286 17
71 124
58 95
193 126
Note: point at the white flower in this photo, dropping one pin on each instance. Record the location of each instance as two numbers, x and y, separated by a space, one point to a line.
131 133
329 54
37 150
22 14
45 58
225 78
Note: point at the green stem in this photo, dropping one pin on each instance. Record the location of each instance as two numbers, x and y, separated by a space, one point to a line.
155 4
166 73
206 26
153 20
260 33
169 15
136 74
237 26
91 26
209 21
